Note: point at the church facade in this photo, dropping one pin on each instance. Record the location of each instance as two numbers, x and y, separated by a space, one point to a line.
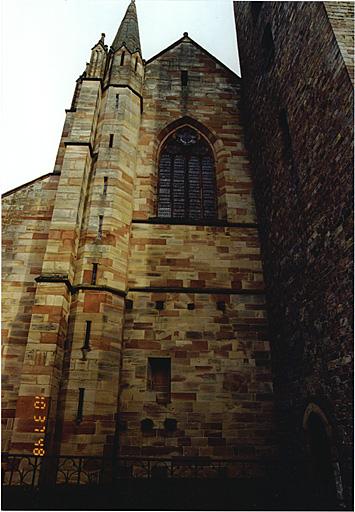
137 326
133 289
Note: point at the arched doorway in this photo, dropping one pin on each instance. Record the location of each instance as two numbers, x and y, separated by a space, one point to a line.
321 468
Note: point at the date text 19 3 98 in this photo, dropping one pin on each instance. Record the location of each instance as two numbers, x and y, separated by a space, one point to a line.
40 406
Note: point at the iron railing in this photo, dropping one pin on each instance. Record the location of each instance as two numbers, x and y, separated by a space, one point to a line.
32 471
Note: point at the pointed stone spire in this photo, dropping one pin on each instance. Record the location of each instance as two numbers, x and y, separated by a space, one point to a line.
128 33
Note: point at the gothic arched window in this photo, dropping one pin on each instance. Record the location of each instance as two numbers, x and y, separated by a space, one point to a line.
187 182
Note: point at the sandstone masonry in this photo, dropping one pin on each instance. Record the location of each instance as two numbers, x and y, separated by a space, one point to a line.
111 294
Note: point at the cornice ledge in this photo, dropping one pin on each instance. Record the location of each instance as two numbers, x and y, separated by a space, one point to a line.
98 288
78 143
55 278
211 291
124 86
186 222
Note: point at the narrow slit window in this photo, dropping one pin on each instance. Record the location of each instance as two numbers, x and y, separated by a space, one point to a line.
117 103
184 78
136 64
105 185
94 273
122 59
111 140
159 377
85 349
101 220
86 345
79 414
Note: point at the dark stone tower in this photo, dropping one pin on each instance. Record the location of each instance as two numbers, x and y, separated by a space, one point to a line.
298 111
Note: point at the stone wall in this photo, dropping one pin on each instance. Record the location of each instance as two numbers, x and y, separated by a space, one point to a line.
215 114
195 257
104 242
208 280
221 385
298 111
341 18
26 217
85 348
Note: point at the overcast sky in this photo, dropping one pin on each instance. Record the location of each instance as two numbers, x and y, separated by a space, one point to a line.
45 45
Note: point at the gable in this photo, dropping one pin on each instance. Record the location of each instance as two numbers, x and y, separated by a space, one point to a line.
28 184
184 49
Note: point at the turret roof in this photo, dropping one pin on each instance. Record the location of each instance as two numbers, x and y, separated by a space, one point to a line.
128 32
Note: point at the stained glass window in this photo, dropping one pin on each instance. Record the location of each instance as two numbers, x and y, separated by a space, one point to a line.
187 183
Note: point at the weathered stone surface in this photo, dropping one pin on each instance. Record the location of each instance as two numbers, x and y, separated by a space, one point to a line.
197 290
341 18
26 216
220 368
217 115
303 190
195 256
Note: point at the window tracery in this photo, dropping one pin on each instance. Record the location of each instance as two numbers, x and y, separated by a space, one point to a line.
187 183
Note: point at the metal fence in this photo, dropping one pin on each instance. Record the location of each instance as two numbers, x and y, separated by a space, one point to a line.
32 471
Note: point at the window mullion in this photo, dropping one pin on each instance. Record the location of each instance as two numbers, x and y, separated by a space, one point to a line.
201 188
187 186
172 174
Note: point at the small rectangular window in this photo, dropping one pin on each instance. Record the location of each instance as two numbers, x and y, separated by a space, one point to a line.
184 78
117 101
128 304
136 64
99 232
94 273
111 140
105 185
122 58
79 414
159 377
87 335
159 305
221 305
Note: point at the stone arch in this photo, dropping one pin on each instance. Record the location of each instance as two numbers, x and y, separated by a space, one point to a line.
313 408
217 149
322 458
190 121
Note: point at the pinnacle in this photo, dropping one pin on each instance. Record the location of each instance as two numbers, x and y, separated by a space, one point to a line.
128 32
